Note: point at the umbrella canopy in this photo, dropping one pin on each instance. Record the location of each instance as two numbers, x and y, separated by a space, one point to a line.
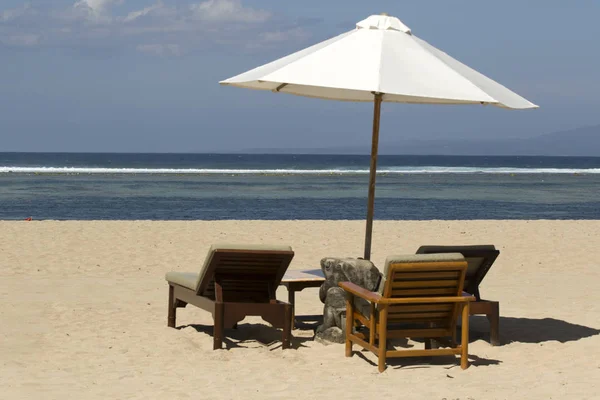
378 61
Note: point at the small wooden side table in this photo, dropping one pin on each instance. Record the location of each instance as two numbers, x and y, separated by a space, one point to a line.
298 280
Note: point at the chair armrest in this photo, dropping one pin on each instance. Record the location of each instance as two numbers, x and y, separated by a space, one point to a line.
360 292
429 300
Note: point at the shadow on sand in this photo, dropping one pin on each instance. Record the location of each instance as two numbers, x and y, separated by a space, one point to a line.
522 330
251 333
449 362
531 330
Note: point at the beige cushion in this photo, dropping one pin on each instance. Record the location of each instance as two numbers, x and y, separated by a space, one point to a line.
192 280
185 279
415 258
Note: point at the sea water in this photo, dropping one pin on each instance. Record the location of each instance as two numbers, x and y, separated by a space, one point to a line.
121 186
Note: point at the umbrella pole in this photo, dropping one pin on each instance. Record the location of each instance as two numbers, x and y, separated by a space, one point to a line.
372 174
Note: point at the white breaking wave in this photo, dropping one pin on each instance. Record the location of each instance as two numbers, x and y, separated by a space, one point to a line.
334 171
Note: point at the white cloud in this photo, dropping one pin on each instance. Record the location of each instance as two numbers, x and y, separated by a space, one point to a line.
156 28
98 11
266 40
160 49
228 11
284 36
207 11
97 7
132 16
12 14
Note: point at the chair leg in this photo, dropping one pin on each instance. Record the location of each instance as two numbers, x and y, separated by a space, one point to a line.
349 322
287 326
494 318
219 327
172 313
464 340
382 345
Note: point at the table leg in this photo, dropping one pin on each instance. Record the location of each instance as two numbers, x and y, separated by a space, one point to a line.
292 301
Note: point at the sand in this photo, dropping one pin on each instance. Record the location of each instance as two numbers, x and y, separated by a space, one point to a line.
83 314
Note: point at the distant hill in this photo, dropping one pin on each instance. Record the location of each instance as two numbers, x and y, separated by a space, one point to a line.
577 142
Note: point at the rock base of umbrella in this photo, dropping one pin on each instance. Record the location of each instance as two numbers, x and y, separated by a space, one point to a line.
358 271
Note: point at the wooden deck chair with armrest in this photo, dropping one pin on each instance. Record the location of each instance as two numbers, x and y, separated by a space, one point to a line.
479 259
235 281
419 296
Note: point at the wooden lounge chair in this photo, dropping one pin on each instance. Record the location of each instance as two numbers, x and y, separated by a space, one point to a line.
235 281
419 296
480 259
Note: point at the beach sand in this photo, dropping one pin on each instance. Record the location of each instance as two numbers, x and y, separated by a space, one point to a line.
84 314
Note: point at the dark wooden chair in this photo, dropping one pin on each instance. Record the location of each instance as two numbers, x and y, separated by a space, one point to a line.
480 259
235 281
419 296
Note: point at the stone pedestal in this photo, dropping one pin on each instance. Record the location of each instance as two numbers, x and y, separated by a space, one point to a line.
360 272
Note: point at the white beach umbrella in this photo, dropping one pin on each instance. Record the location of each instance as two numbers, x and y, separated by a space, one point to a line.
378 61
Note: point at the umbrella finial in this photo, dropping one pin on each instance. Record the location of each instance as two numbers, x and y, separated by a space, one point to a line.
383 22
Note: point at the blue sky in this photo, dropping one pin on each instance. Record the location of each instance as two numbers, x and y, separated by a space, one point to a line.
142 75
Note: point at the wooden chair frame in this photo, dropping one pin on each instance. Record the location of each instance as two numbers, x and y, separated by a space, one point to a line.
380 330
230 291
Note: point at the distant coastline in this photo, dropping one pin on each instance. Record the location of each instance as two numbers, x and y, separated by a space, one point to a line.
580 142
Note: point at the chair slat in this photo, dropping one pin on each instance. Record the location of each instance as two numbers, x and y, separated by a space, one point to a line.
420 308
419 322
247 267
423 292
248 276
431 315
251 261
425 284
405 275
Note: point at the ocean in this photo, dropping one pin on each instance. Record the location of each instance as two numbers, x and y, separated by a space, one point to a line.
86 186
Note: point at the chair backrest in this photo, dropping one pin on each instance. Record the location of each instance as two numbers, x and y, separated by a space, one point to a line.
243 273
479 258
421 276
